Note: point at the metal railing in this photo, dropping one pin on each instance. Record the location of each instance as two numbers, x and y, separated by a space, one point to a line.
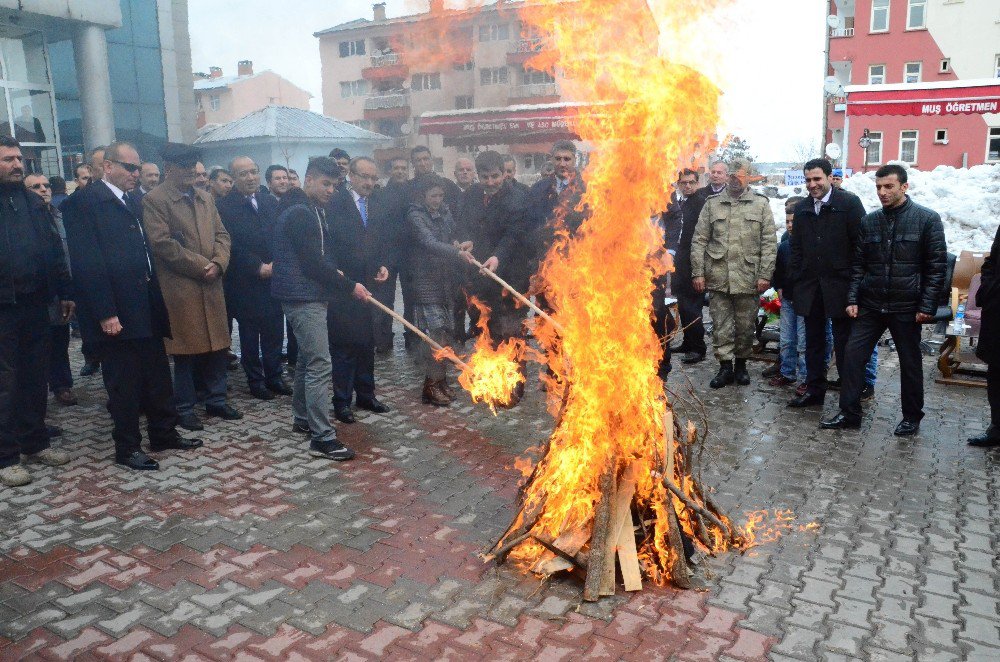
527 46
535 90
384 101
386 60
841 32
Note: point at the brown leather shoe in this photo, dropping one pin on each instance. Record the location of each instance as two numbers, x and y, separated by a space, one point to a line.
433 395
447 389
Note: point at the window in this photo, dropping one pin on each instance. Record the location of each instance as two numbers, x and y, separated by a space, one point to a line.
880 16
422 82
349 48
532 77
494 32
945 66
996 74
353 88
911 72
214 102
876 74
916 15
875 147
941 136
908 146
993 144
465 66
464 102
493 76
532 163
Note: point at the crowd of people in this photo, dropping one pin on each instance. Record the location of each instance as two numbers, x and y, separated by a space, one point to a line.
155 269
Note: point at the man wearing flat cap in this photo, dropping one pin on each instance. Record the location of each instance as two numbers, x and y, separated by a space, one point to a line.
190 246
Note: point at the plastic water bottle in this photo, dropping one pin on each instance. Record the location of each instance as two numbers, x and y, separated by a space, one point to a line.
959 323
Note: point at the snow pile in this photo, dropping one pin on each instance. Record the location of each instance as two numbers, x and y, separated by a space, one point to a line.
967 199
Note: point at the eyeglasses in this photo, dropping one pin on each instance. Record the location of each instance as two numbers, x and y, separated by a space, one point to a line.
130 167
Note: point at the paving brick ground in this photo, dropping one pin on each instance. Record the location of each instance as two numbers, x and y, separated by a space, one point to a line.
251 549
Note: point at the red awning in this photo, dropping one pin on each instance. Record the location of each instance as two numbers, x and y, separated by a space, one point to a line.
929 100
503 126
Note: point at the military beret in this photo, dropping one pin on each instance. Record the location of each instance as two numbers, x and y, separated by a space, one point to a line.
184 156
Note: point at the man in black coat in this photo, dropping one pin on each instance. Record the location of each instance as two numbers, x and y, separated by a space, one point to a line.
690 304
122 313
395 196
988 349
32 274
898 271
822 252
359 224
249 218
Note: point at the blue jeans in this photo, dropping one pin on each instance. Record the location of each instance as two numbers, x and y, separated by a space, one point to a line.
311 389
792 341
211 370
871 369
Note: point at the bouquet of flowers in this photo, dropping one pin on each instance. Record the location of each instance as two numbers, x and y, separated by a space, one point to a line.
770 307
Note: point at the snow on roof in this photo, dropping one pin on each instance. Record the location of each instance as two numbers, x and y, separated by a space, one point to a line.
941 85
291 123
223 81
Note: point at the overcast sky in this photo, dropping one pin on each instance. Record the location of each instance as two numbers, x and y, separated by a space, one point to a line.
766 55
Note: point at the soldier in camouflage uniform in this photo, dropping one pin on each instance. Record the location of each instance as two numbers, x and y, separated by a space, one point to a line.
732 256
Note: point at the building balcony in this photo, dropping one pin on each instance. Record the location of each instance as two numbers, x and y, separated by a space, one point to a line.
386 67
535 93
836 33
387 106
523 50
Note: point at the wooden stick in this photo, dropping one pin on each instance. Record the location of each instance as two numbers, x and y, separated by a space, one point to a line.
517 295
598 540
423 336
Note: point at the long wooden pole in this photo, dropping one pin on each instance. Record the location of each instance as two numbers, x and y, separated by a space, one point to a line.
517 295
423 336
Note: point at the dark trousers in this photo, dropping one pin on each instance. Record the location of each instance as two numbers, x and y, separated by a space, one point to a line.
865 332
260 347
993 392
24 374
816 363
137 379
690 308
292 348
89 352
665 326
211 370
353 372
385 293
60 374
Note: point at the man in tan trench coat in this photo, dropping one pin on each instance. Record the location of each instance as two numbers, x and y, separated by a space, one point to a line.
732 256
191 249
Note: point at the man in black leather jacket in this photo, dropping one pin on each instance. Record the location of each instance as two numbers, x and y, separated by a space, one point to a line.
900 262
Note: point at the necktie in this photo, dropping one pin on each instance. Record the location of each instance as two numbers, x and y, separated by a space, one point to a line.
363 207
253 201
560 186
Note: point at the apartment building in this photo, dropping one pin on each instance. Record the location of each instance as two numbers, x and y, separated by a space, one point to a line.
920 79
222 99
385 74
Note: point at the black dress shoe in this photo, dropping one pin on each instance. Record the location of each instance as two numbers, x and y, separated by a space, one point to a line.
693 357
53 431
190 422
178 443
279 386
90 368
807 400
907 428
261 393
138 461
988 439
224 412
841 421
344 415
374 405
833 383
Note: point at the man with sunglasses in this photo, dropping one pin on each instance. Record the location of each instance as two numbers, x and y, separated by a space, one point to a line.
60 374
32 272
191 250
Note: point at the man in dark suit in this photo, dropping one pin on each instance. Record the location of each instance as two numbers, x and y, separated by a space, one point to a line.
688 199
822 249
121 311
249 218
358 227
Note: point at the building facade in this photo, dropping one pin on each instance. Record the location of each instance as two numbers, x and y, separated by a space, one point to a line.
921 77
80 73
383 74
220 99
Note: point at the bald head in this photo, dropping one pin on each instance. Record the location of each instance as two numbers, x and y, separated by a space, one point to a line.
246 175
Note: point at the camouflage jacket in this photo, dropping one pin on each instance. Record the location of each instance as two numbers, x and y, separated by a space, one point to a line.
734 243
